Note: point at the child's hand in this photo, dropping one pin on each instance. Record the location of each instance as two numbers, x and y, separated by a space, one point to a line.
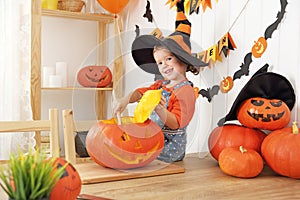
161 105
119 106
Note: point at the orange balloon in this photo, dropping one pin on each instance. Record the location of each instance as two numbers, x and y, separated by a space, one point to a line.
113 6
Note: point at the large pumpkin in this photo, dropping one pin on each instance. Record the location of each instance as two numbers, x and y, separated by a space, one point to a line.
124 146
262 113
94 76
232 135
241 162
69 185
281 151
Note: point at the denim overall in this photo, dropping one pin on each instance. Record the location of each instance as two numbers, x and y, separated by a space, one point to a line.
175 140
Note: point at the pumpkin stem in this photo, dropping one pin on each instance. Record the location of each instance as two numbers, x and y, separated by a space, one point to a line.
295 129
242 149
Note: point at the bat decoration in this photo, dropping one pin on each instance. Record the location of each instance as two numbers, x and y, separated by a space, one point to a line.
269 31
137 31
244 71
148 12
210 92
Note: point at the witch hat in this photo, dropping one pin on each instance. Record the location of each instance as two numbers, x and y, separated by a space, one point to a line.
263 84
177 43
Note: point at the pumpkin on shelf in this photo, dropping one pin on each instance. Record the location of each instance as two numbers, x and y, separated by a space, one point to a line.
241 162
232 135
263 113
126 145
94 76
281 151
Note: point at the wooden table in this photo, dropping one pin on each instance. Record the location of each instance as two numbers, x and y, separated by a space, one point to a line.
202 179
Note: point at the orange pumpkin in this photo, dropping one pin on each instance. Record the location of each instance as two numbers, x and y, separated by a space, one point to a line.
259 47
226 84
281 150
231 135
262 113
69 185
124 146
94 76
241 162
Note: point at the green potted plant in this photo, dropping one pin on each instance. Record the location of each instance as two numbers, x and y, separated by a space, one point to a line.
29 176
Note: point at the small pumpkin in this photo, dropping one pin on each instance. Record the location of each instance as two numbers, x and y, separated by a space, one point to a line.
232 135
281 150
126 145
69 185
226 84
262 113
241 162
259 47
94 76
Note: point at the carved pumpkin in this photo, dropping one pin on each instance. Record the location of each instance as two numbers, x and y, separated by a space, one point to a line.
124 146
241 162
69 185
226 84
94 76
232 135
281 151
259 47
262 113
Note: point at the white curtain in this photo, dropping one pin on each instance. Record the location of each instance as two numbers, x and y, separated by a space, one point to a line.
15 72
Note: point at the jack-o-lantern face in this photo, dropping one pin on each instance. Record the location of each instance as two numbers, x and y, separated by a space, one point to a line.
262 113
69 184
124 146
226 84
94 76
259 47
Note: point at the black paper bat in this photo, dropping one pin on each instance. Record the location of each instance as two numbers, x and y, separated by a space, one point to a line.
244 67
137 31
269 31
209 93
148 14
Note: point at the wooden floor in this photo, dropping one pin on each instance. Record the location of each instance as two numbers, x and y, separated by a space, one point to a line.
202 179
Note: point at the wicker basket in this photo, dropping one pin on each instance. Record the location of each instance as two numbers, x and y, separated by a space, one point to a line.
70 5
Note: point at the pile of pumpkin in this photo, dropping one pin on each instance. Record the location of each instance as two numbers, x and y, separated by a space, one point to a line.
241 150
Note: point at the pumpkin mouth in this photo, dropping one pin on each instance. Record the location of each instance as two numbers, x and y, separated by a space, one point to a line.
267 118
96 79
135 158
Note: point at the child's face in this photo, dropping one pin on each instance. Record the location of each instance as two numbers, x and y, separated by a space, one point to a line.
169 66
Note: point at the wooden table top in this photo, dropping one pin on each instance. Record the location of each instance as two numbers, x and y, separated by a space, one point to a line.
202 179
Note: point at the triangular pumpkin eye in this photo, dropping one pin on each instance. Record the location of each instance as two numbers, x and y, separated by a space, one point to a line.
138 145
257 102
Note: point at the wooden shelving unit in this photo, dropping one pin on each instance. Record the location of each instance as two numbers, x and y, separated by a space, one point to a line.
103 20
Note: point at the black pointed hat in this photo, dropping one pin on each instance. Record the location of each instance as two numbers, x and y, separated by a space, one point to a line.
263 84
178 43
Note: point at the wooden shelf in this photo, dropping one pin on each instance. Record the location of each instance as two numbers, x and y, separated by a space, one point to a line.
77 88
103 18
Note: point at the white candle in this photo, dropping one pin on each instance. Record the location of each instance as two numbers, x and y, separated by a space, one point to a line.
61 69
46 72
55 81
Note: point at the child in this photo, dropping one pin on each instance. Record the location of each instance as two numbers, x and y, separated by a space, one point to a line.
170 57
